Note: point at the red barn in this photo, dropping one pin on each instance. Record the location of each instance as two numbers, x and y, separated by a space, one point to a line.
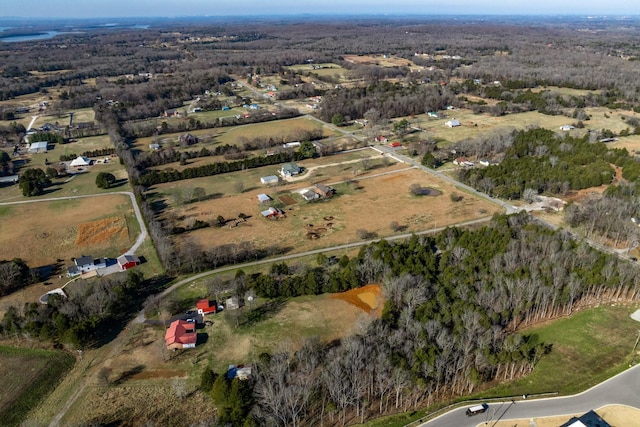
205 306
128 261
395 145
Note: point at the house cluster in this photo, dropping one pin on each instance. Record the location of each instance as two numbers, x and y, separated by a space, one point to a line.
86 264
318 191
462 161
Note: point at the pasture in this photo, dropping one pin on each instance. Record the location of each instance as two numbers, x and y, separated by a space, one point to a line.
474 125
27 376
369 201
54 230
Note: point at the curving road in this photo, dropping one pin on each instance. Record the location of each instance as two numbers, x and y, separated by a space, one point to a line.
622 389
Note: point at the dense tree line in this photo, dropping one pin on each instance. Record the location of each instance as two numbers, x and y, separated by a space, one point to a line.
541 160
453 305
614 215
152 177
83 317
93 153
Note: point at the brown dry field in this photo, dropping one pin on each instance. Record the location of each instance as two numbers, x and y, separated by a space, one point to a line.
379 60
42 232
379 201
616 415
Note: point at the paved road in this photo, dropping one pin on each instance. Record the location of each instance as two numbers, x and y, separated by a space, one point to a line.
622 389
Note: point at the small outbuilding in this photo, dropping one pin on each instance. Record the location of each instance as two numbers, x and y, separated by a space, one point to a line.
205 306
271 179
453 123
39 147
264 198
324 190
128 261
567 128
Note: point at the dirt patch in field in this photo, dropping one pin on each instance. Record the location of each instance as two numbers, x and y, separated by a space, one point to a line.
367 298
102 230
160 373
287 200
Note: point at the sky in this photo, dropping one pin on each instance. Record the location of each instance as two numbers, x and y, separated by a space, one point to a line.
176 8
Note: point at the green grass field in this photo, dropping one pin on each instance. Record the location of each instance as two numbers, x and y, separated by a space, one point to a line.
28 375
588 347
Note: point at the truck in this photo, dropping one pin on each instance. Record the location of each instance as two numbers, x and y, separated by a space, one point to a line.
478 409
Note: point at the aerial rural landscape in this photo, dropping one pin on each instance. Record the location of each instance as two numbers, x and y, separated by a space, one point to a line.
320 221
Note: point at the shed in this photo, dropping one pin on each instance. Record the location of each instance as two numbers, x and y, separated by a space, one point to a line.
271 179
567 127
39 147
453 123
10 179
128 261
309 195
263 198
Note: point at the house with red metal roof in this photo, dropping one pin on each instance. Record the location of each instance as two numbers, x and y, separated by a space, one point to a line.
181 334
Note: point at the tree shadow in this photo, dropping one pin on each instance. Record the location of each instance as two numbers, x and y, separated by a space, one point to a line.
263 312
119 183
126 375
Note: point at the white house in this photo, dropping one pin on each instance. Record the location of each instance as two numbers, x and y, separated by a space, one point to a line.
452 123
309 195
80 161
85 264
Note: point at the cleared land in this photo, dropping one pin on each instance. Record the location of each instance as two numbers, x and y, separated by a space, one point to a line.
595 342
138 373
473 125
364 202
27 376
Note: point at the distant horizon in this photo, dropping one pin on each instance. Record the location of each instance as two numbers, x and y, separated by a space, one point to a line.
150 9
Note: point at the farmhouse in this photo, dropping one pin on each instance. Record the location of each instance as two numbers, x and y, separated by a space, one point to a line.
181 334
172 113
324 191
39 147
271 179
453 123
128 261
205 306
381 139
80 162
289 169
85 264
462 161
